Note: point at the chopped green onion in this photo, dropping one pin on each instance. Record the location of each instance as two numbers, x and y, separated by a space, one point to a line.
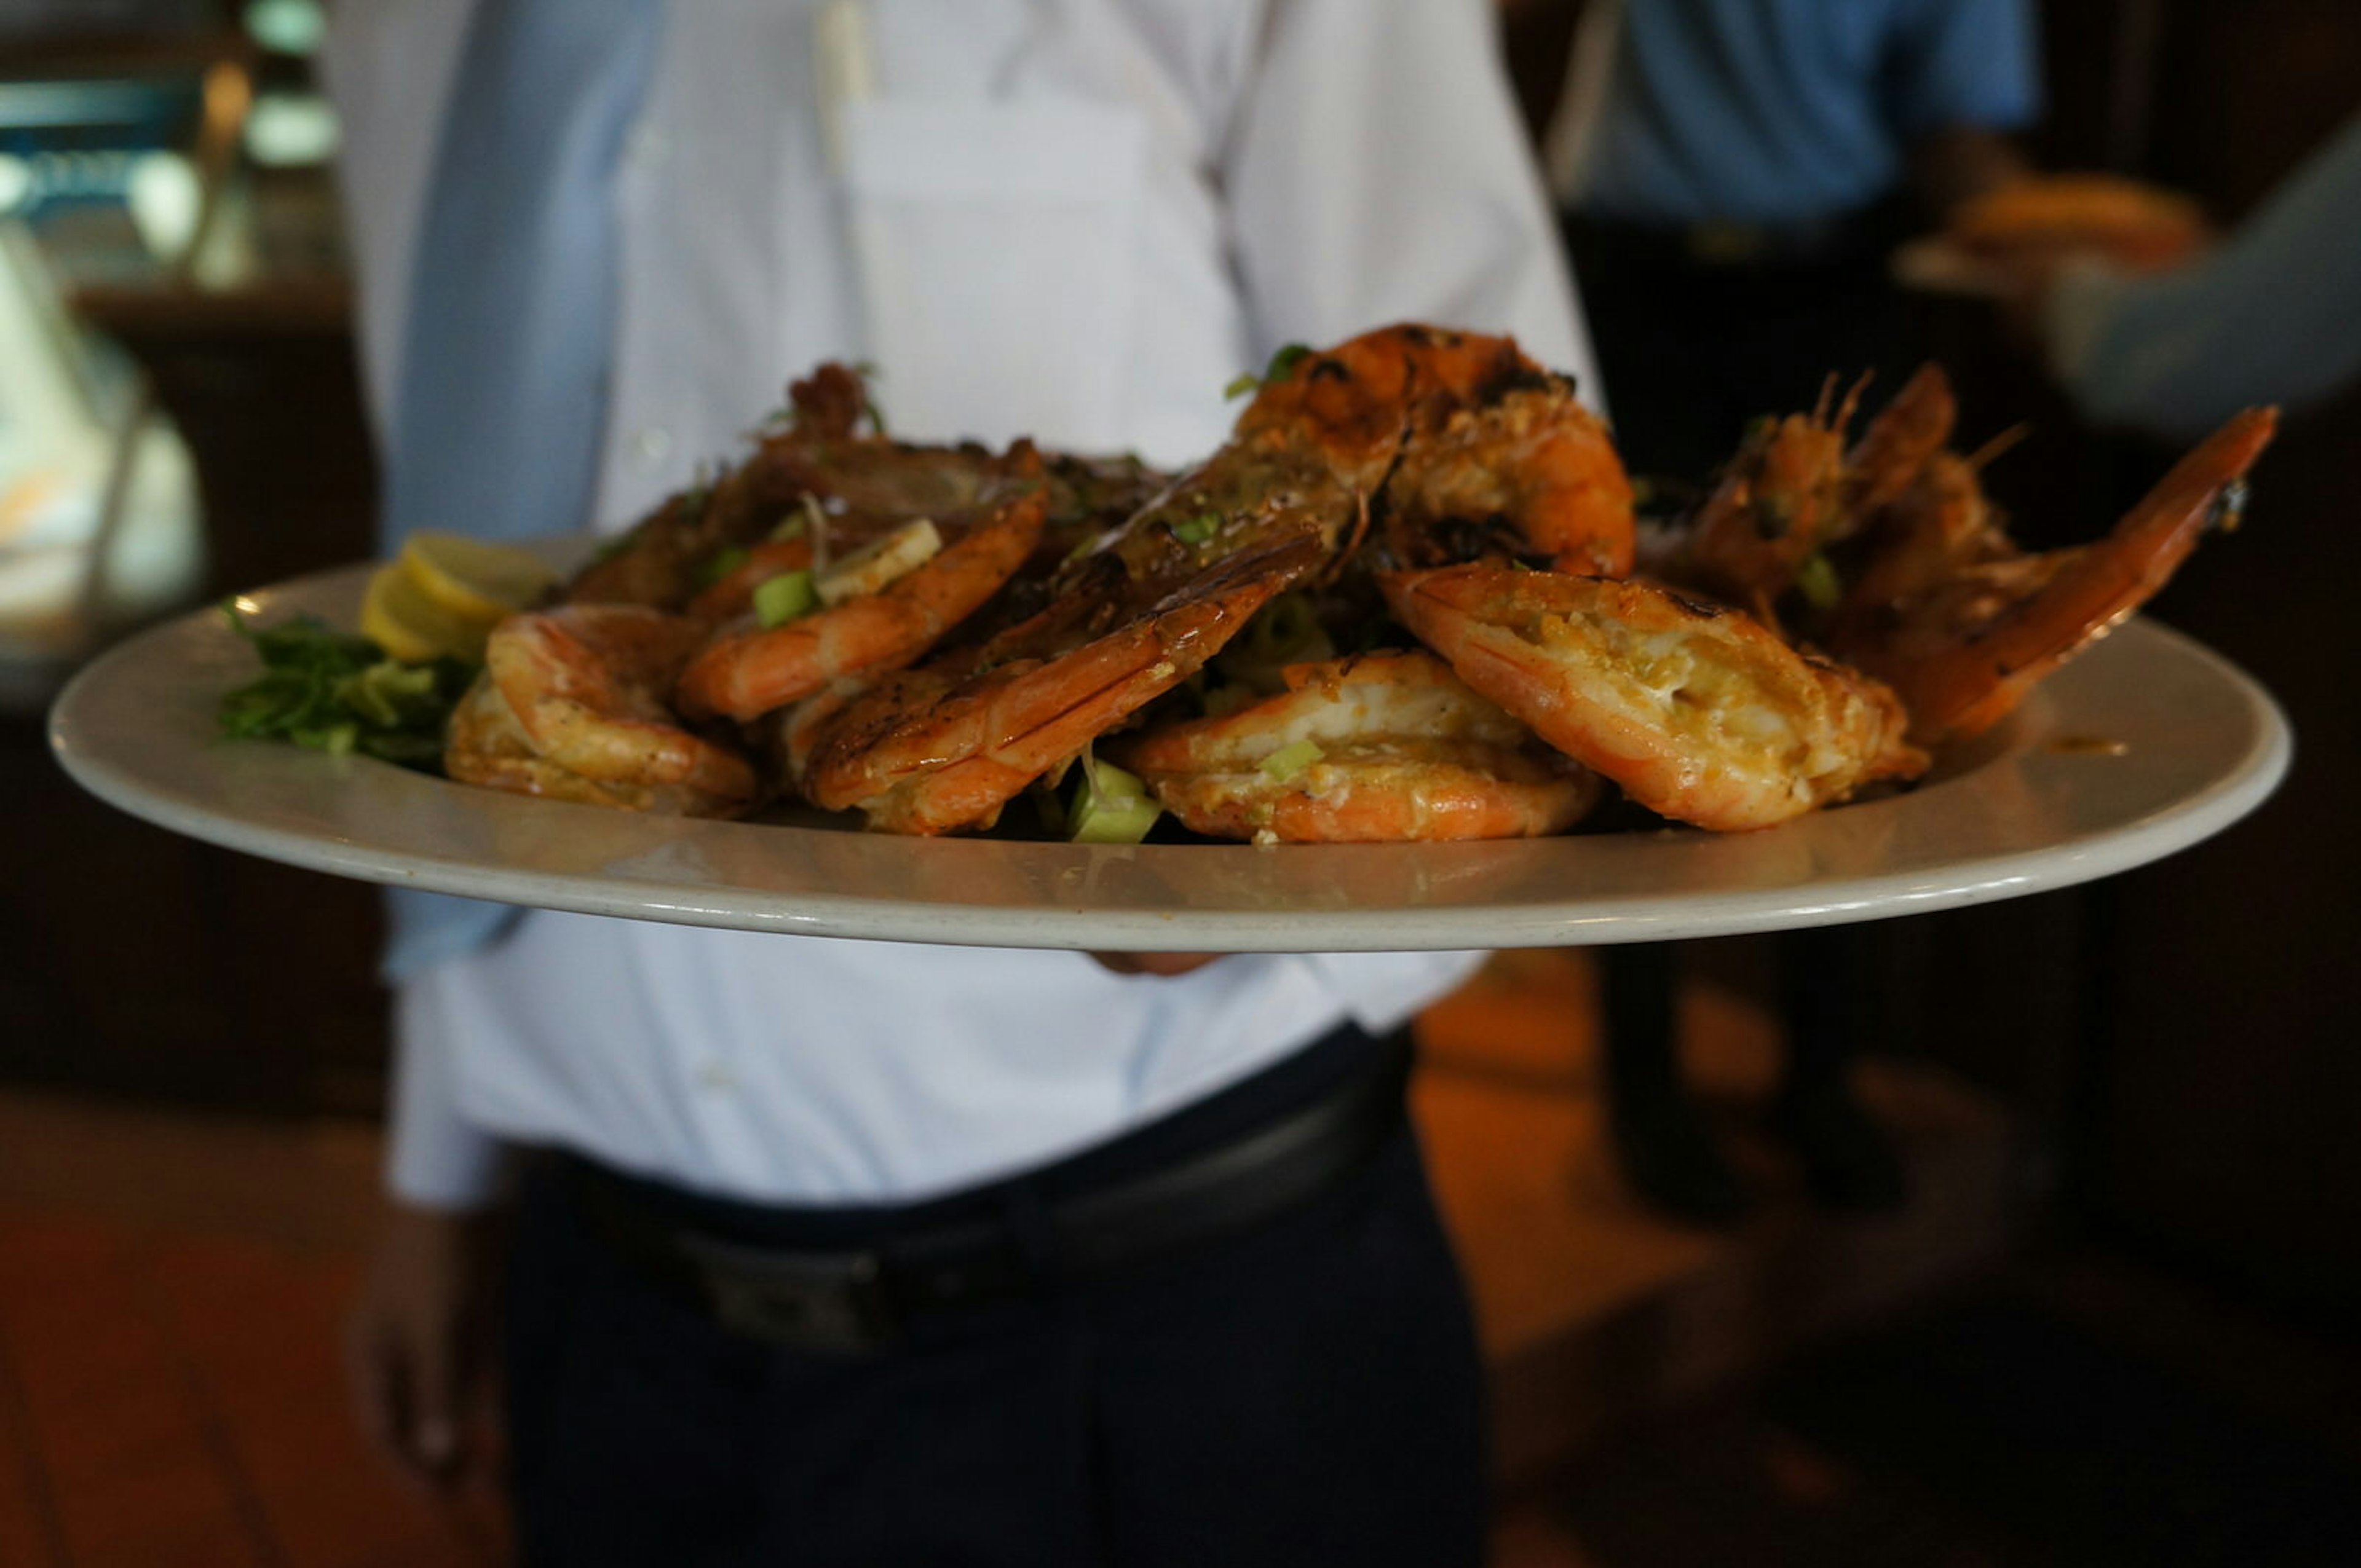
782 598
1281 364
1292 759
791 529
1817 580
1198 529
1110 805
387 693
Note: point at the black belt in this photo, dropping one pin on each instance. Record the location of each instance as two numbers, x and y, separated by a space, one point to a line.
1855 237
1010 1241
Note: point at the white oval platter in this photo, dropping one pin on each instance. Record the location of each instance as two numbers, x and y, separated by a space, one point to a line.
2143 746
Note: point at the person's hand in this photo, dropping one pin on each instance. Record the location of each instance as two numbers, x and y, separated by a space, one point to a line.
1154 964
418 1346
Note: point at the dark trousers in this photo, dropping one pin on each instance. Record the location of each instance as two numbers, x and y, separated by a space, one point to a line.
1691 351
1309 1393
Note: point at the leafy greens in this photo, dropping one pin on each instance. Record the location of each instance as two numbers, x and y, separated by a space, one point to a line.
337 692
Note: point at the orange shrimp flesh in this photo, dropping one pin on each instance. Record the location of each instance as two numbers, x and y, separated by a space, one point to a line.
861 485
1697 711
1406 752
571 705
749 669
1478 449
1940 526
731 593
943 748
1774 502
1965 648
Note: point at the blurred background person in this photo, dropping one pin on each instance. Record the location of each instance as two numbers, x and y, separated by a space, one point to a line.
1733 177
2267 316
812 1274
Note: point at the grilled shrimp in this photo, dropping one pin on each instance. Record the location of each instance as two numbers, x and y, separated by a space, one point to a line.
817 463
749 669
1697 711
1385 747
1476 448
1794 489
1285 501
1963 626
943 748
571 705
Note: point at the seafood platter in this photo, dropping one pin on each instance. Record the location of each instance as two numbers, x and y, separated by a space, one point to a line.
1401 665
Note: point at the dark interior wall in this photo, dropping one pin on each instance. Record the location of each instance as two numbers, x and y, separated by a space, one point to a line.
2204 1069
2225 1108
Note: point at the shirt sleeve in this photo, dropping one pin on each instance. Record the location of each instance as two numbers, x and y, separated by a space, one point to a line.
2267 318
435 1158
1966 63
1378 173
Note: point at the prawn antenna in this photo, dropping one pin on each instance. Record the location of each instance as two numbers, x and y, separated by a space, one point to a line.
1976 461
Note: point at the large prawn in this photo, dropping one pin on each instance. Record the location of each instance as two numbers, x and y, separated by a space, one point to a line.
1794 489
1378 747
571 705
748 668
1697 710
1963 626
1286 499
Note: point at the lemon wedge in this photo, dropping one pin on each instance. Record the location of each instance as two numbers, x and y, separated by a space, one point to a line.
473 580
399 617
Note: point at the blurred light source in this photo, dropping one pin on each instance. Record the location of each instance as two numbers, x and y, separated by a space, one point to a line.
164 198
15 183
287 129
286 26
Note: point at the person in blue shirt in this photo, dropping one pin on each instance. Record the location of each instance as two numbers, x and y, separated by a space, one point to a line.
1732 175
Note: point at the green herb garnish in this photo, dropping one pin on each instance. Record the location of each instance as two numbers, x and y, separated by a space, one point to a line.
1292 759
1281 364
1817 580
781 600
337 692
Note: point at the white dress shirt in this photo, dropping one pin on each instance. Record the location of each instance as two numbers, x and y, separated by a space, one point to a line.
1071 219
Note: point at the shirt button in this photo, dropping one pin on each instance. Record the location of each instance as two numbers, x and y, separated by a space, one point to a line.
652 445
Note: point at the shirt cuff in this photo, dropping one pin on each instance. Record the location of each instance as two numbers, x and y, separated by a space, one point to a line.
435 1158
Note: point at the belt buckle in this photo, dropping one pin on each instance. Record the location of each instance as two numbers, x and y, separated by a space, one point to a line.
1726 244
829 1303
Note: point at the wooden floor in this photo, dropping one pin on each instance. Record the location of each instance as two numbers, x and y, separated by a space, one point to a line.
170 1289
